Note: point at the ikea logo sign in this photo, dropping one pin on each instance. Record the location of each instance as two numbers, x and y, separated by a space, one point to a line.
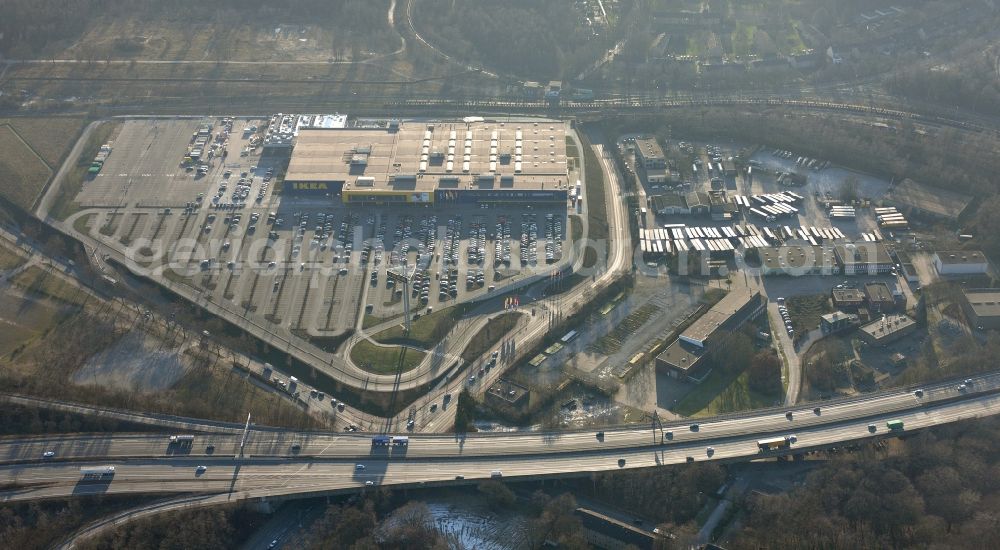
310 186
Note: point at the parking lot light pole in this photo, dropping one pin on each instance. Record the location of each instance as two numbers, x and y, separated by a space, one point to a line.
403 278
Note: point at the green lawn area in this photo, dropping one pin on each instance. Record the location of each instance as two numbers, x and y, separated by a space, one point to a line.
575 228
82 224
426 331
701 395
23 174
65 204
50 137
805 311
572 152
372 320
722 393
34 318
489 335
384 360
597 215
9 259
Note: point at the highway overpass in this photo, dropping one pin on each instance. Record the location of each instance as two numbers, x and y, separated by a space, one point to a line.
295 464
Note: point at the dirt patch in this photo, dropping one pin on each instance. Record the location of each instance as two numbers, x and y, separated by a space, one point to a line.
22 319
136 362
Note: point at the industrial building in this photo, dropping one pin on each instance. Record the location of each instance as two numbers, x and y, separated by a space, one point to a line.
649 154
960 262
797 260
283 130
880 299
982 307
887 328
507 394
865 258
699 203
684 358
847 299
471 161
651 159
837 321
669 205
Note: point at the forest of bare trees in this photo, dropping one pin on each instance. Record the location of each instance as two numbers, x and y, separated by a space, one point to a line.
937 489
541 40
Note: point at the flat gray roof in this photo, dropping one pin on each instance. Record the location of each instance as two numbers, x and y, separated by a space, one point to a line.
682 355
863 253
887 326
879 292
428 155
649 148
729 305
984 303
836 316
796 257
960 257
848 294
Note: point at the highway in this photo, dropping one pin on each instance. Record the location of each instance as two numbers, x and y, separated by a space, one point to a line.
273 467
325 462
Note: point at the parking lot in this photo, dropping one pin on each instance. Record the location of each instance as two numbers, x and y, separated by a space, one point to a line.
306 264
455 257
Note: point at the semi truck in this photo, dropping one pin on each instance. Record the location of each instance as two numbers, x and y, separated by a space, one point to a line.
774 444
96 473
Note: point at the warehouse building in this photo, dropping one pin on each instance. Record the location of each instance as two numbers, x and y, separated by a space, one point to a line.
669 205
982 307
699 203
960 262
409 162
685 357
865 258
797 260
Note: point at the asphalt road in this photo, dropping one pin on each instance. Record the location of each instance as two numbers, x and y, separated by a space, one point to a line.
269 466
327 463
273 478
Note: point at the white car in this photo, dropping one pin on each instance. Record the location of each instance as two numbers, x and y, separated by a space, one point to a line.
48 454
